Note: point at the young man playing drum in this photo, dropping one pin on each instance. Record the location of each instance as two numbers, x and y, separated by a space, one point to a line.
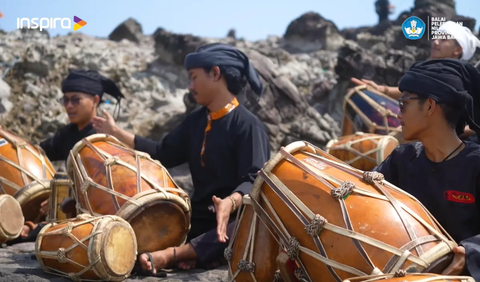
83 91
224 144
442 171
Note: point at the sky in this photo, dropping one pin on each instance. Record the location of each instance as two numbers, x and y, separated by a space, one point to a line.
252 19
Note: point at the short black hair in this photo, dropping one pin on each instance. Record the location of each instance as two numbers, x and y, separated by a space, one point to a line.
236 81
452 114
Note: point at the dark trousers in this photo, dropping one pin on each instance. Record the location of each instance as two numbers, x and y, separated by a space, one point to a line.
204 240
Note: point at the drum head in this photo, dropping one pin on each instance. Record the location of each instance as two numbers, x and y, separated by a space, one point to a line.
118 257
31 197
11 217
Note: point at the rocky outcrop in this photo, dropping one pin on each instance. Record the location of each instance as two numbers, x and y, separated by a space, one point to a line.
129 30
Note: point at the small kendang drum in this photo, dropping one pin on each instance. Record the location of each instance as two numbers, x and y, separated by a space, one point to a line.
89 248
362 150
11 218
419 277
111 178
370 111
338 222
25 172
252 250
60 186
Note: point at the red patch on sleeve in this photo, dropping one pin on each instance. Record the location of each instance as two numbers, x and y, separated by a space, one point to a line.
459 197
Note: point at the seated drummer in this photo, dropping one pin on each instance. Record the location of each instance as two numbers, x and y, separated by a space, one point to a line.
225 146
83 91
442 171
462 47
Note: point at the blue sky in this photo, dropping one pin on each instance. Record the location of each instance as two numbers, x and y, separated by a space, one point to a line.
252 19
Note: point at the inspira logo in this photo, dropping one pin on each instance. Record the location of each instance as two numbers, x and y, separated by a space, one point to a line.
50 23
413 28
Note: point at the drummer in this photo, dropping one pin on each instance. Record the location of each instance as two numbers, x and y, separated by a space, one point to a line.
82 93
463 47
224 144
442 171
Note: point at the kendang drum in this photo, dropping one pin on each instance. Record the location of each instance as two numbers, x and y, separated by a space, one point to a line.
252 250
88 248
11 218
370 111
338 222
419 277
111 178
25 172
362 150
61 187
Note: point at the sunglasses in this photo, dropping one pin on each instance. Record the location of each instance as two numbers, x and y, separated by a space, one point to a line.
401 102
65 100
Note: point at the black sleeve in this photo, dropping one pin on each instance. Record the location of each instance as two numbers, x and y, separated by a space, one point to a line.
52 146
253 151
172 151
389 168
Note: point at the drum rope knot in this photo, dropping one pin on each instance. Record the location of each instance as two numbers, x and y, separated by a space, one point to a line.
111 161
83 216
278 277
244 265
73 276
228 254
400 273
68 229
342 191
300 275
371 177
61 256
314 227
85 186
293 248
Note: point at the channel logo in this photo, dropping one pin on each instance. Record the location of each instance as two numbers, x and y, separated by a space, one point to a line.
79 23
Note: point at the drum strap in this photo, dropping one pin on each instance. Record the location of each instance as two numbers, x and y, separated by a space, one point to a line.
359 155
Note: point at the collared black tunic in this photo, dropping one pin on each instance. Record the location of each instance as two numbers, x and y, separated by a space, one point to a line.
237 147
449 190
58 147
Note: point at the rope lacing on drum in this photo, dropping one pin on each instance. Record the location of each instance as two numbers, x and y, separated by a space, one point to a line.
73 277
227 253
142 155
85 186
300 275
111 161
278 277
83 216
61 256
68 229
342 191
314 227
293 248
20 145
372 177
400 273
246 266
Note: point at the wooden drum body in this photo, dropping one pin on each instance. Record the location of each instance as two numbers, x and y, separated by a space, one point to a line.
110 178
362 150
338 222
11 218
418 277
95 248
370 111
60 187
252 249
24 173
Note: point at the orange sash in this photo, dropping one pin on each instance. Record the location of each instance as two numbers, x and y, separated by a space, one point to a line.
214 116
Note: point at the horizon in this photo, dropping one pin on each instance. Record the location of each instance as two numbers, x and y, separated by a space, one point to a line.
206 18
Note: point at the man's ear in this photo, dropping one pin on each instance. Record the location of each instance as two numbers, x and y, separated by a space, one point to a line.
96 100
431 106
458 51
216 73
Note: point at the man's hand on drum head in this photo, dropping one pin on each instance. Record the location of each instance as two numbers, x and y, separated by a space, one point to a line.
369 83
457 265
223 209
105 124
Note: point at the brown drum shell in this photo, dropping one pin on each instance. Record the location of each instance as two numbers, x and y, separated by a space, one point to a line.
362 150
419 277
21 163
11 218
250 232
110 178
31 197
98 248
298 168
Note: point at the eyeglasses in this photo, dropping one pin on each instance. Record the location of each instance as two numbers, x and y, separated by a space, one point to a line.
65 100
401 102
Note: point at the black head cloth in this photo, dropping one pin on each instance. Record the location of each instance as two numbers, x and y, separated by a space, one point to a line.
218 54
449 81
92 83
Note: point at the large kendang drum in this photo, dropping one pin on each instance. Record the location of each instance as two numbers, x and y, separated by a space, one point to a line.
338 222
25 173
87 248
362 150
418 277
370 111
113 179
252 249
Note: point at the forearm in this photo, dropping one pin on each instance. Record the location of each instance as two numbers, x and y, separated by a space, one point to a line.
393 92
125 137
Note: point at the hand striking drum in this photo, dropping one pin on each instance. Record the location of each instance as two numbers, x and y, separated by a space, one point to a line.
111 178
337 222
